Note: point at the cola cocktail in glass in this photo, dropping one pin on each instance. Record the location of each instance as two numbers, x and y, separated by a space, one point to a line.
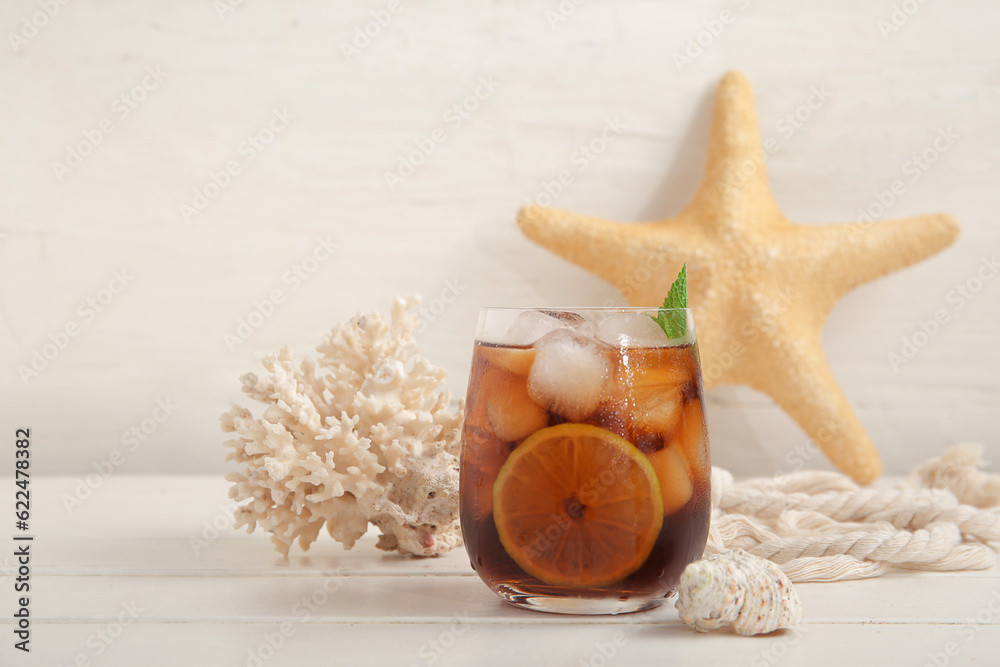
585 466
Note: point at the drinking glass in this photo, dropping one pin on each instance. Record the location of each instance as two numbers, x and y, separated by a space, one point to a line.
585 466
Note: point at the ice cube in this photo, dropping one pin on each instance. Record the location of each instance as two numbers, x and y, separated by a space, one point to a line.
649 387
569 318
511 412
675 478
657 409
574 321
568 374
517 360
631 330
530 326
693 439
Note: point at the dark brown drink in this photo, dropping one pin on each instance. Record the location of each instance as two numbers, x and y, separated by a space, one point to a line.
584 472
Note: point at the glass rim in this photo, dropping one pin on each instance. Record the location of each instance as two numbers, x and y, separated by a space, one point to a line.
588 309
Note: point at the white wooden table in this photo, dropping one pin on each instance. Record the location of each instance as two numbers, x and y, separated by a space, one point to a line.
148 571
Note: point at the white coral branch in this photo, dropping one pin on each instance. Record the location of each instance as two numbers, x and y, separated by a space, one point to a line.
364 434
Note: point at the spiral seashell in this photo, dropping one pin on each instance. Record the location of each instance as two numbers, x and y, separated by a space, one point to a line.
739 589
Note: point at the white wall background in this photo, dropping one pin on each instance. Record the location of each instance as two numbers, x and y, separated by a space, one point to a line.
162 336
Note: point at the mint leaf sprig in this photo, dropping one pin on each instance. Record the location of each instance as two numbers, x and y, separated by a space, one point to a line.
674 323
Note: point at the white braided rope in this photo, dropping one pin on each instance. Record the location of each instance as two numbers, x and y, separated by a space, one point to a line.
820 526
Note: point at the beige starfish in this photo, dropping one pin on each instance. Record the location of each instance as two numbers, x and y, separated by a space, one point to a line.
761 286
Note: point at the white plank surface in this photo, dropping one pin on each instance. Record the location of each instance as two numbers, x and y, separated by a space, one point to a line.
404 645
120 567
558 82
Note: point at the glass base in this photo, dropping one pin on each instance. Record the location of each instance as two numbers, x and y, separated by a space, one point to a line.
563 604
